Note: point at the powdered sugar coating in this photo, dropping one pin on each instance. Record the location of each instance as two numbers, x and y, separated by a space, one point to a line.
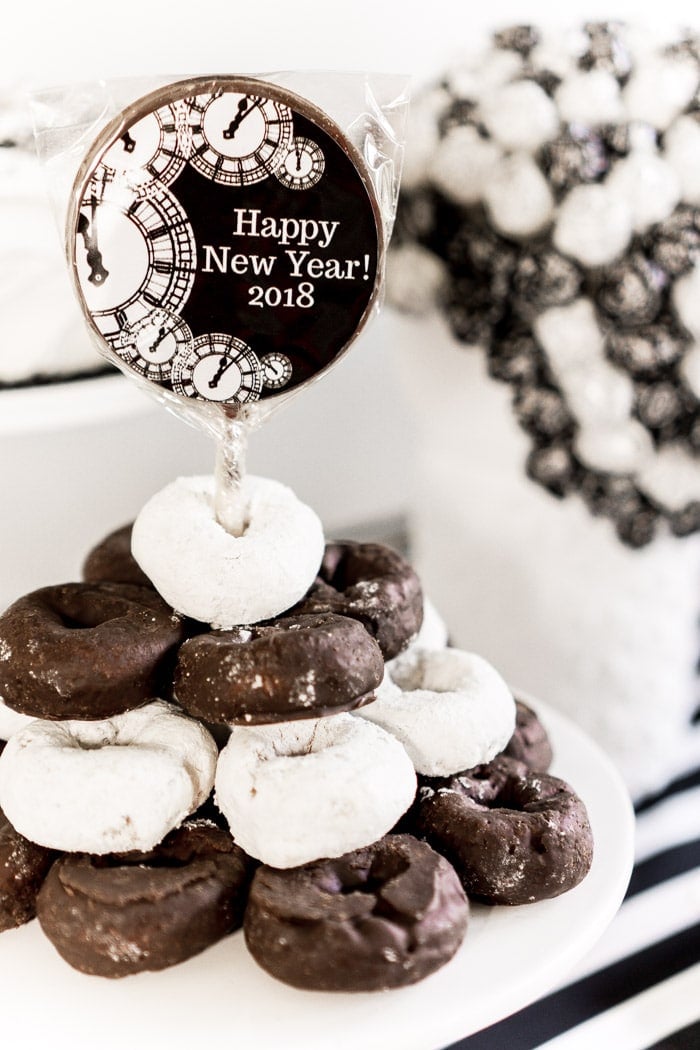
294 792
450 709
107 786
224 580
11 721
433 632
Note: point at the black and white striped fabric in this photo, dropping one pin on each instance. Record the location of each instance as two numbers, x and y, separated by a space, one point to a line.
639 989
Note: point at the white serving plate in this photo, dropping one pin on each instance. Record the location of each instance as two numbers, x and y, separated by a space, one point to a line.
509 958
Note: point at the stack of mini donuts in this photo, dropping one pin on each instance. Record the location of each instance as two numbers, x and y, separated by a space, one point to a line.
265 730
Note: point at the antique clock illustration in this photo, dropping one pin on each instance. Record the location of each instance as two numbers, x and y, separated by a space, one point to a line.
150 345
133 254
154 147
302 165
238 139
277 370
218 367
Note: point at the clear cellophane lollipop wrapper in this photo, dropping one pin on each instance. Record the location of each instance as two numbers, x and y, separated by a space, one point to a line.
225 235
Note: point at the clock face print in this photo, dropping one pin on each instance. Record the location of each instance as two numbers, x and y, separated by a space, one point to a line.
238 139
133 255
277 370
151 148
224 240
302 166
151 344
218 367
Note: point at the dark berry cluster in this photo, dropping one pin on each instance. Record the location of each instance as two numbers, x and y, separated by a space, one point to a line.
496 286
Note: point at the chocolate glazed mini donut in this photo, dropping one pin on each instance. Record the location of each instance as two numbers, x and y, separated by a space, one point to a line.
372 584
377 918
23 868
129 912
87 651
529 743
111 561
297 667
513 836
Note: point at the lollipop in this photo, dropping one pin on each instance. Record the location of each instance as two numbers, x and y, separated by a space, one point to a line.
226 245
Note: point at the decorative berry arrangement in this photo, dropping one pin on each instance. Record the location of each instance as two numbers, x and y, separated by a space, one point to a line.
551 208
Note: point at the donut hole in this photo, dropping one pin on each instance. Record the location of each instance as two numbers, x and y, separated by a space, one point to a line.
489 786
386 867
85 622
75 625
424 671
369 877
305 741
344 568
76 613
335 883
142 860
339 569
92 738
509 795
512 793
443 671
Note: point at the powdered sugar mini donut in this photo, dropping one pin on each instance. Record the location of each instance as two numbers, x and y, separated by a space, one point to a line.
208 574
450 709
298 791
106 787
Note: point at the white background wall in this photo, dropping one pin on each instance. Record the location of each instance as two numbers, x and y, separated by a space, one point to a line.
49 40
346 444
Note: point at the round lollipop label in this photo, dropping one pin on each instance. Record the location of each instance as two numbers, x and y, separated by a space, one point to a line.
225 240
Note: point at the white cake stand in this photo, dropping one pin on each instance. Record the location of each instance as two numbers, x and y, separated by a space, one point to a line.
69 404
509 958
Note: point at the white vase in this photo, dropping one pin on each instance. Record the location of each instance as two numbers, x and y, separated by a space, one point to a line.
538 585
